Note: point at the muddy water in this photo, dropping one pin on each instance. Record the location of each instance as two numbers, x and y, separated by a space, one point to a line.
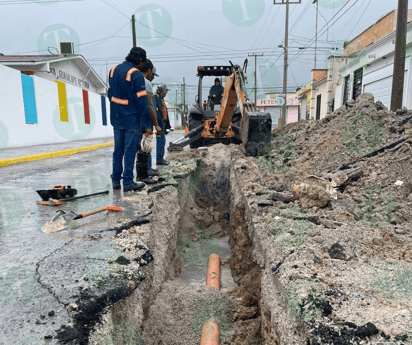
197 275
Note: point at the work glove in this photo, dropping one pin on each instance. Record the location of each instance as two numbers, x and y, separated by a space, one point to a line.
147 143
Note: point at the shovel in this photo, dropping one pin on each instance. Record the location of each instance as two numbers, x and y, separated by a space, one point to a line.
69 217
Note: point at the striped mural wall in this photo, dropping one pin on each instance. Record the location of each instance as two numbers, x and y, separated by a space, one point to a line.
29 99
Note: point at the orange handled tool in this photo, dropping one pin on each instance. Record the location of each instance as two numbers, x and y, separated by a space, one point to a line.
107 208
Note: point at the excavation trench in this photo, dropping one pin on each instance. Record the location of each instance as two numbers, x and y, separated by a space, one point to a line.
203 216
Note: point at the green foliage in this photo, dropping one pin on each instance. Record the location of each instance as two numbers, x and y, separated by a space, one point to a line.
290 226
209 308
392 282
361 134
285 156
377 208
306 300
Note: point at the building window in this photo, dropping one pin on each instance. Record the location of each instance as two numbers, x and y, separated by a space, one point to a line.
318 106
346 90
357 83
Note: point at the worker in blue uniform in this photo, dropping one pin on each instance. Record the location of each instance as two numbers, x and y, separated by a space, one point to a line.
129 116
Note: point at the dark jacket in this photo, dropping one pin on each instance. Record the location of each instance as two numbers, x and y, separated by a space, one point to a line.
128 98
158 104
218 91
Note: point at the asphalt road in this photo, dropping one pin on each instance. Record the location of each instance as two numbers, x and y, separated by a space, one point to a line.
31 310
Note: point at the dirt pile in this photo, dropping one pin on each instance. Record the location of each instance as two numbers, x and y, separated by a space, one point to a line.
331 212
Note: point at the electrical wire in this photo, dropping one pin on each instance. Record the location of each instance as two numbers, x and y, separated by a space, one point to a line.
354 27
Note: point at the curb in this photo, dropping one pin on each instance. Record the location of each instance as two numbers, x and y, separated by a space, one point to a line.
36 157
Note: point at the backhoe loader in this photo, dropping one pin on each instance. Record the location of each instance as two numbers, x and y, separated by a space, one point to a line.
237 120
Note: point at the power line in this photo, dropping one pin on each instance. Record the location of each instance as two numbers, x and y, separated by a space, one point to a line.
115 8
354 27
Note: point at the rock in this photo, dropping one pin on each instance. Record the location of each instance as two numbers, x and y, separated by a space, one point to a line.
72 306
51 313
310 196
42 317
216 215
337 252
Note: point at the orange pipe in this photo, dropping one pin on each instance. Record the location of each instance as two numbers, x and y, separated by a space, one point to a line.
210 333
213 271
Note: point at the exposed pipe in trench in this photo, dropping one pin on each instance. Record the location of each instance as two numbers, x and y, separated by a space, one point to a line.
210 330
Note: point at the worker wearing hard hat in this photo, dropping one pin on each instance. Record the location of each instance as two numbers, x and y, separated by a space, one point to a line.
163 121
215 94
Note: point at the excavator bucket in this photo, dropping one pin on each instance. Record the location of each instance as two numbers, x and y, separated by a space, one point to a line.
255 132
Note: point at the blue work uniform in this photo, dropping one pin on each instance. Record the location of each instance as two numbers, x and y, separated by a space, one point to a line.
129 116
158 103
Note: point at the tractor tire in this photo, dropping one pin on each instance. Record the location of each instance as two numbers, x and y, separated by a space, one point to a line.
194 123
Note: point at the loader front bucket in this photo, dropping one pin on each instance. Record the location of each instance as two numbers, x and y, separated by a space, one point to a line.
255 131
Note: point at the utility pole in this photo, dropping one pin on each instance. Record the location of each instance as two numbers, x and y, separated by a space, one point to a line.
285 62
134 31
184 102
400 53
255 55
316 34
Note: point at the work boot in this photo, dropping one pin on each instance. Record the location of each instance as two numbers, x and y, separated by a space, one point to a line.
116 186
153 172
134 186
163 162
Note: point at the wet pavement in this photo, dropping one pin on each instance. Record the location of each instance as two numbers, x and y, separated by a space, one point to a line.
13 152
31 310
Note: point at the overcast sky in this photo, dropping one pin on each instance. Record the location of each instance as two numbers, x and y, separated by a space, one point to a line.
180 35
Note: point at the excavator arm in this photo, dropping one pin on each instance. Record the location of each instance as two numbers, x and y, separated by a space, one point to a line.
255 127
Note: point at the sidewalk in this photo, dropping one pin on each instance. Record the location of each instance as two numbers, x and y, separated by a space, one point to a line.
14 155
